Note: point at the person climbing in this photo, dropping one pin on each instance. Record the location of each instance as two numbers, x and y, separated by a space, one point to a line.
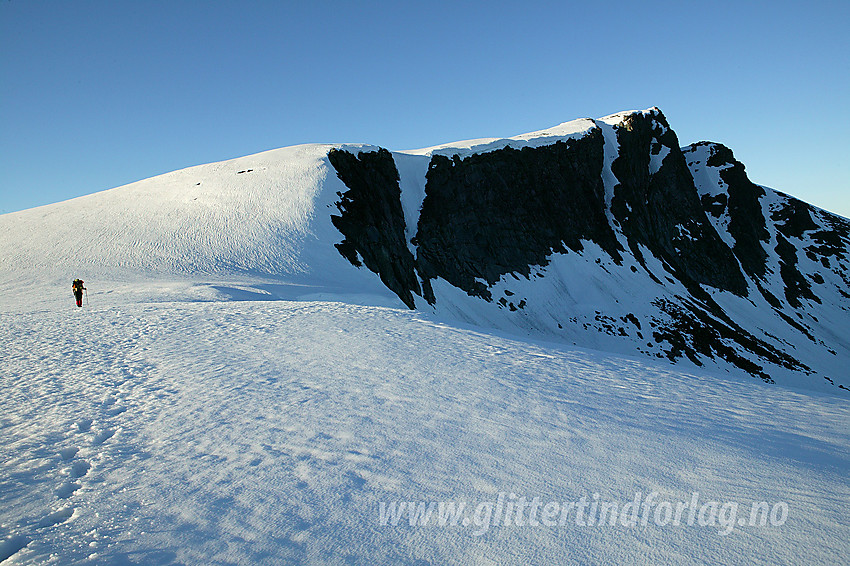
77 287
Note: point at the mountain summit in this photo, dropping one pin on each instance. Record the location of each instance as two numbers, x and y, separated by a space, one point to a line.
603 233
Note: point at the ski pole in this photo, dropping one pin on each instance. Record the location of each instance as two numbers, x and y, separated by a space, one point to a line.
87 296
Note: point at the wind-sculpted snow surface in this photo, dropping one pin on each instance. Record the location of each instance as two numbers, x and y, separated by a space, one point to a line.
277 432
599 233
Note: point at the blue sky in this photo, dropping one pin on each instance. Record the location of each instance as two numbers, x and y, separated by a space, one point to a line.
97 94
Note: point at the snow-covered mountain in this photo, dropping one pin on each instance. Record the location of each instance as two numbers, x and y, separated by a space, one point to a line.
606 233
600 233
249 385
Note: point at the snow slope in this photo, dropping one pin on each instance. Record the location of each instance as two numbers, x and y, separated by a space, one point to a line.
260 217
251 432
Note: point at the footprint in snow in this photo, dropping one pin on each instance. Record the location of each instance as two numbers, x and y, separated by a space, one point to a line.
84 425
356 480
56 517
12 544
79 469
67 489
102 437
68 453
355 483
115 411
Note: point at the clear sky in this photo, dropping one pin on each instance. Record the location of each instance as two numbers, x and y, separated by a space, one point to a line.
97 94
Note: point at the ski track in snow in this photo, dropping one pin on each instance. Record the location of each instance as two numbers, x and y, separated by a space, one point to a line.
268 432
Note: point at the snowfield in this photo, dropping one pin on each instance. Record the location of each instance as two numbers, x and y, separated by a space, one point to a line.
212 431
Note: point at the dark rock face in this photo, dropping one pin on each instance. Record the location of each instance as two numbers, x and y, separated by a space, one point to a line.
504 211
793 219
694 330
372 219
663 212
831 243
746 220
796 286
715 205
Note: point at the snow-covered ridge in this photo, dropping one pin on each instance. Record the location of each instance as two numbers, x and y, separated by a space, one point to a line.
261 216
561 132
253 215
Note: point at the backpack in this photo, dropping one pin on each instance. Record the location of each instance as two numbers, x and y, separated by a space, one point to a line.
77 285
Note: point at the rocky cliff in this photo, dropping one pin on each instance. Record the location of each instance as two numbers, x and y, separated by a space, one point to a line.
608 228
